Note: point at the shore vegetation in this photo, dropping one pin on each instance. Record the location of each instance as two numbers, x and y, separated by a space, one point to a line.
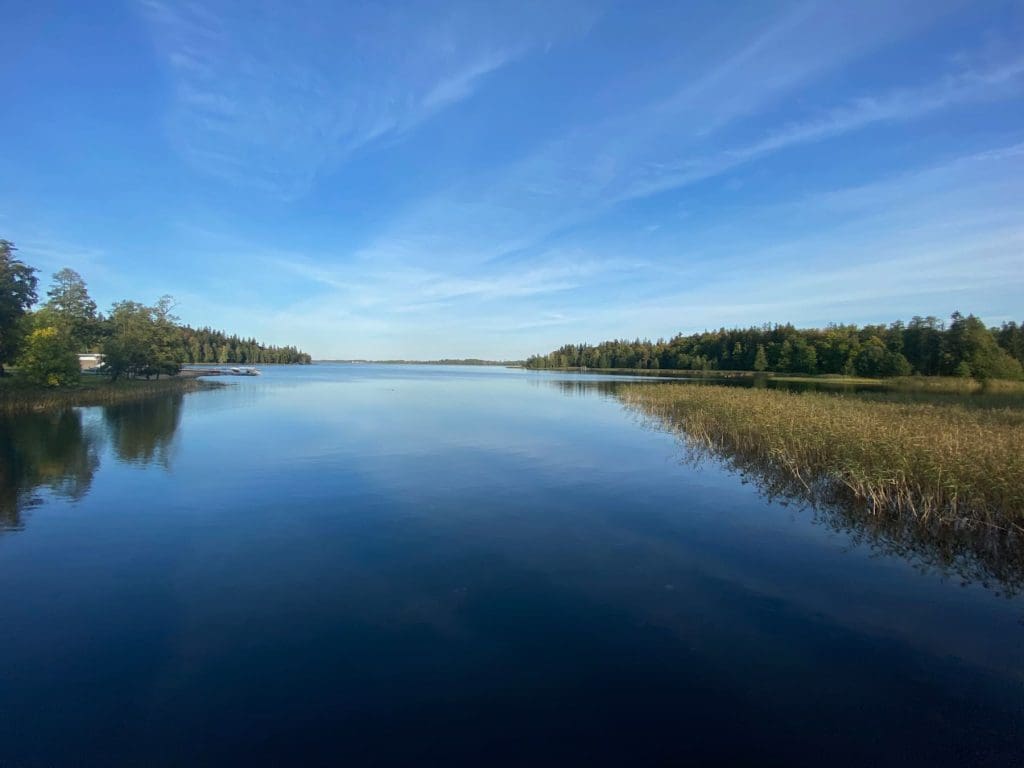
964 348
134 340
17 395
943 463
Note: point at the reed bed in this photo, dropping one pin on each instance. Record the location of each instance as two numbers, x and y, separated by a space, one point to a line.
16 397
955 386
942 464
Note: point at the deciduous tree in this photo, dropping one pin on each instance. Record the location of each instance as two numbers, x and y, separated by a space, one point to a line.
48 360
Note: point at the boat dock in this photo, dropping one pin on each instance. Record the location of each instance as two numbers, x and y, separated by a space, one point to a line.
220 371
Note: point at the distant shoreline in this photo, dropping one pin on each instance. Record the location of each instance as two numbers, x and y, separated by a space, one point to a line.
466 361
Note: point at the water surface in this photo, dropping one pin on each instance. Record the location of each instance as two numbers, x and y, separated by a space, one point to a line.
397 564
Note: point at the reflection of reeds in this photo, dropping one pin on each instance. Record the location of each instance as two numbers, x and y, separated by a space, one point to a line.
911 472
927 460
15 398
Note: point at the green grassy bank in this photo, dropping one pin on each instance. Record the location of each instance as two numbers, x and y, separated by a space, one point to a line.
18 396
943 463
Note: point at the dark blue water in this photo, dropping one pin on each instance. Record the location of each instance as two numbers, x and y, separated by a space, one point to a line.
377 565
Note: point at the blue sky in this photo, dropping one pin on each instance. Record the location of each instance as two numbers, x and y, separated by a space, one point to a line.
494 179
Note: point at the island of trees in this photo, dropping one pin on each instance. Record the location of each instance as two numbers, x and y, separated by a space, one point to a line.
43 340
926 346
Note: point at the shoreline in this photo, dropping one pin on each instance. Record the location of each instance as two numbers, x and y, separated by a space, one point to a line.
951 466
936 384
18 398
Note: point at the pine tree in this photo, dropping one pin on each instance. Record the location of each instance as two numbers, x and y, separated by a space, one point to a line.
760 359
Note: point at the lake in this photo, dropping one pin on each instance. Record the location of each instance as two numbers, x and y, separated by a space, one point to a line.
359 564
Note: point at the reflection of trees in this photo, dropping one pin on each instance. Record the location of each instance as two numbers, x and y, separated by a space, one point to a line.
54 451
43 450
582 387
143 431
987 554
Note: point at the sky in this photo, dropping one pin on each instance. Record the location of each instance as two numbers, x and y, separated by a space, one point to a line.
494 179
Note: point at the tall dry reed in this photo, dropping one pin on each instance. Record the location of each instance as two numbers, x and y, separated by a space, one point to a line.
941 463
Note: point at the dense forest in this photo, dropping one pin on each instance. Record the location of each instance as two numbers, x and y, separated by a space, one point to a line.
44 340
203 345
925 346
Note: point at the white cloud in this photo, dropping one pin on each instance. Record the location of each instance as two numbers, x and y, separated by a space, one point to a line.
674 142
498 255
271 96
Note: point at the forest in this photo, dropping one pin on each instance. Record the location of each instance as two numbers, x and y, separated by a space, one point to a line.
925 346
204 345
43 339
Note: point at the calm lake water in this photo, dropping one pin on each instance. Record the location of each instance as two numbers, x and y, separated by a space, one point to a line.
346 564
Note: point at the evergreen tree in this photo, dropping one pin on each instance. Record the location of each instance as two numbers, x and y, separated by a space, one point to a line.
17 294
1010 337
72 310
760 359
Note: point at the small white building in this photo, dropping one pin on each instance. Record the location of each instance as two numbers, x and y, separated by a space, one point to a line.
90 360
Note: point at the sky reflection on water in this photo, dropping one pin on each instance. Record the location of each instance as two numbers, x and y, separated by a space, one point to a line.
339 562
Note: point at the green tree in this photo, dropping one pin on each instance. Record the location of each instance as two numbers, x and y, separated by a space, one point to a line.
970 346
72 309
805 358
875 360
1011 338
760 359
785 361
143 341
129 340
922 344
17 294
47 359
167 353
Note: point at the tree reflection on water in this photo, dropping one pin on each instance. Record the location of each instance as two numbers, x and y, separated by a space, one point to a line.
142 432
58 453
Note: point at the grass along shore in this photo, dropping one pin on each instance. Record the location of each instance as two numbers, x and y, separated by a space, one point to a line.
942 463
17 396
953 385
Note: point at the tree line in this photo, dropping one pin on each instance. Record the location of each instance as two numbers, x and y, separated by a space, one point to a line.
204 345
135 339
927 346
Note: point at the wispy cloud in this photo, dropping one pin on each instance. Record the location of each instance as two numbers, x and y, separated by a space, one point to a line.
417 179
411 288
490 249
590 172
930 240
272 96
902 104
895 280
460 85
48 254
